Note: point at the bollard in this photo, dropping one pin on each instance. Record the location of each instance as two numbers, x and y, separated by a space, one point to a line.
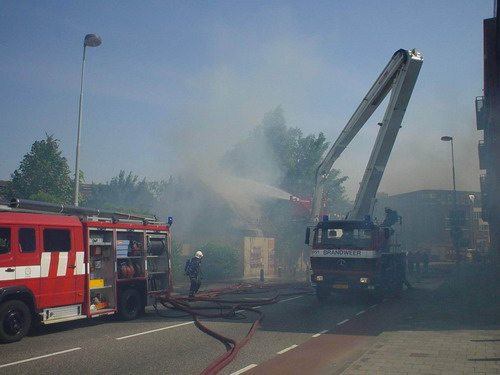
261 274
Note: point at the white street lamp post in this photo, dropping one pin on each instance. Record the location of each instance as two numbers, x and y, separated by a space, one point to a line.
91 40
454 227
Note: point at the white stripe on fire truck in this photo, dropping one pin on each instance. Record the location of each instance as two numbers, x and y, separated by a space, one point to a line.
45 265
43 270
62 265
27 272
345 253
7 275
20 272
80 265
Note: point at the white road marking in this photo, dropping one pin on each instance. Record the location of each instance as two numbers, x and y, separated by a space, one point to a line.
361 312
372 306
343 321
39 357
320 333
289 299
153 331
258 307
254 307
287 349
244 369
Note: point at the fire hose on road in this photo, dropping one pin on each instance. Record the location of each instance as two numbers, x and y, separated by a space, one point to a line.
229 309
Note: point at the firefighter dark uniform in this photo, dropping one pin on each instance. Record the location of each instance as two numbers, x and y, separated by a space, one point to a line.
194 273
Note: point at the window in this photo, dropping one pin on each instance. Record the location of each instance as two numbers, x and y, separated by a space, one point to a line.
256 257
27 242
333 233
350 237
56 240
4 240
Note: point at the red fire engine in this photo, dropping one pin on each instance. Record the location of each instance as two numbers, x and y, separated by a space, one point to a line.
61 263
355 254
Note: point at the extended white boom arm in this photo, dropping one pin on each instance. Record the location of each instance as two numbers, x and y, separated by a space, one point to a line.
399 76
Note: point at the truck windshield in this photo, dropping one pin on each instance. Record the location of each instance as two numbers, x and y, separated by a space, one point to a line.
344 237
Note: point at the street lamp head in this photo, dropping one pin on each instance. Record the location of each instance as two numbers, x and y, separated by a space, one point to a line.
92 40
446 138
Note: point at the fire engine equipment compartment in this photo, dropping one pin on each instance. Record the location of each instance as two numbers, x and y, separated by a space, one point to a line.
61 263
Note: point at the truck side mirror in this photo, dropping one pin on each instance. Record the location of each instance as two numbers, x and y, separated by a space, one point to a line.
308 235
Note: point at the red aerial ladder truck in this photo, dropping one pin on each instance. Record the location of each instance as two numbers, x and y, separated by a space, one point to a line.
60 263
355 254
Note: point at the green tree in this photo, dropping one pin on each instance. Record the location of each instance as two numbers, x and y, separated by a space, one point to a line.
177 263
125 193
221 262
43 174
272 154
292 159
275 152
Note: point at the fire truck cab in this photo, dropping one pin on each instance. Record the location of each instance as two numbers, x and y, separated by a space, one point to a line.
354 256
77 263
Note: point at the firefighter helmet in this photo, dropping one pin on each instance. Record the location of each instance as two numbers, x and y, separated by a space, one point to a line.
198 254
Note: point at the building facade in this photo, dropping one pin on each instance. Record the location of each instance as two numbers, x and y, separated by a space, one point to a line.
427 221
488 121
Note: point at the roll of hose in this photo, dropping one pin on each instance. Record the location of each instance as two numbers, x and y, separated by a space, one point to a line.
156 246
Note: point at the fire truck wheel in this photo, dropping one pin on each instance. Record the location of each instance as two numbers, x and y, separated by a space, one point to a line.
130 304
15 321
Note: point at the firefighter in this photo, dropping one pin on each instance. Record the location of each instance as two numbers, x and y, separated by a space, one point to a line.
193 270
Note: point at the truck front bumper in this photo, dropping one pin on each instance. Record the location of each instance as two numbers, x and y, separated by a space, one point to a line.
344 284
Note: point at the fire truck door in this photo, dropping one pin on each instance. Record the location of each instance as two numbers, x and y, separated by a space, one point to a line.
26 250
61 267
7 260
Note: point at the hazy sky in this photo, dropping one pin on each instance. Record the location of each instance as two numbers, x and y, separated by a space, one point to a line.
177 83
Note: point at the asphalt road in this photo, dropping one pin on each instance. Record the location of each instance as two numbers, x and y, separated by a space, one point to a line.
169 343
